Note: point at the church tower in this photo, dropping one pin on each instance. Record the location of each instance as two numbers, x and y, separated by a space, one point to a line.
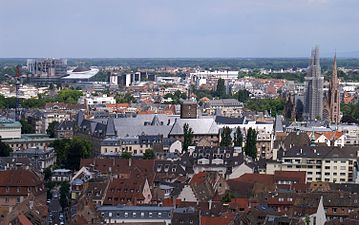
334 99
313 97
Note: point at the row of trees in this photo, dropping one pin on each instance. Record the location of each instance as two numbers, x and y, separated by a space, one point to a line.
274 105
66 96
251 140
226 139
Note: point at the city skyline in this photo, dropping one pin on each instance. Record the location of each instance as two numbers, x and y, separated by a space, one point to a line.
162 29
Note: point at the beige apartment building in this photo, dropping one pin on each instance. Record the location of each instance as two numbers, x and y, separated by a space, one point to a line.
321 163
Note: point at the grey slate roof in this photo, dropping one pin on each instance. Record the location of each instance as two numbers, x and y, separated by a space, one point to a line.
322 152
199 126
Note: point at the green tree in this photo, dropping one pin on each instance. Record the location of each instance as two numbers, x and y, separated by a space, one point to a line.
78 149
70 152
61 148
251 140
243 95
47 174
69 96
238 137
51 129
26 128
126 155
221 88
187 137
228 197
125 98
64 194
275 106
149 154
226 139
5 149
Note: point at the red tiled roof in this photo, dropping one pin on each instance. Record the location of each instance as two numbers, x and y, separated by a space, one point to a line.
199 178
297 176
23 220
330 135
239 203
217 220
257 178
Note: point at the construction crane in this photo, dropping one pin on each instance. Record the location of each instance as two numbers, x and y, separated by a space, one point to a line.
17 107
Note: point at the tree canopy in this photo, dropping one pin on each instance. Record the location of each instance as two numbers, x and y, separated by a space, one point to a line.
51 129
238 137
70 152
250 147
149 154
274 105
26 128
5 149
187 137
226 139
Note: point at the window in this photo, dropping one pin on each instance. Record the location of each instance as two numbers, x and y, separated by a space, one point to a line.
342 168
18 200
327 167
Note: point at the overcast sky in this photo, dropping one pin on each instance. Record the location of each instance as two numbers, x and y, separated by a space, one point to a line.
177 28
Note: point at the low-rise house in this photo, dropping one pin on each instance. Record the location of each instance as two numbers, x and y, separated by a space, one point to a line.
205 131
133 191
16 185
61 175
185 216
134 145
230 162
65 130
203 187
41 158
41 119
7 163
225 107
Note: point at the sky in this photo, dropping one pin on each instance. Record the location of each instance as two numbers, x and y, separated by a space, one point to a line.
177 28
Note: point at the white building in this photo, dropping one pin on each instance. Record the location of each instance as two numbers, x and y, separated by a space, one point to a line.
9 129
89 100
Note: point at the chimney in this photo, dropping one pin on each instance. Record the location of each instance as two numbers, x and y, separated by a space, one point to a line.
315 150
129 162
210 204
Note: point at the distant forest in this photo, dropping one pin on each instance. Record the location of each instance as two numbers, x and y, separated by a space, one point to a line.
207 63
